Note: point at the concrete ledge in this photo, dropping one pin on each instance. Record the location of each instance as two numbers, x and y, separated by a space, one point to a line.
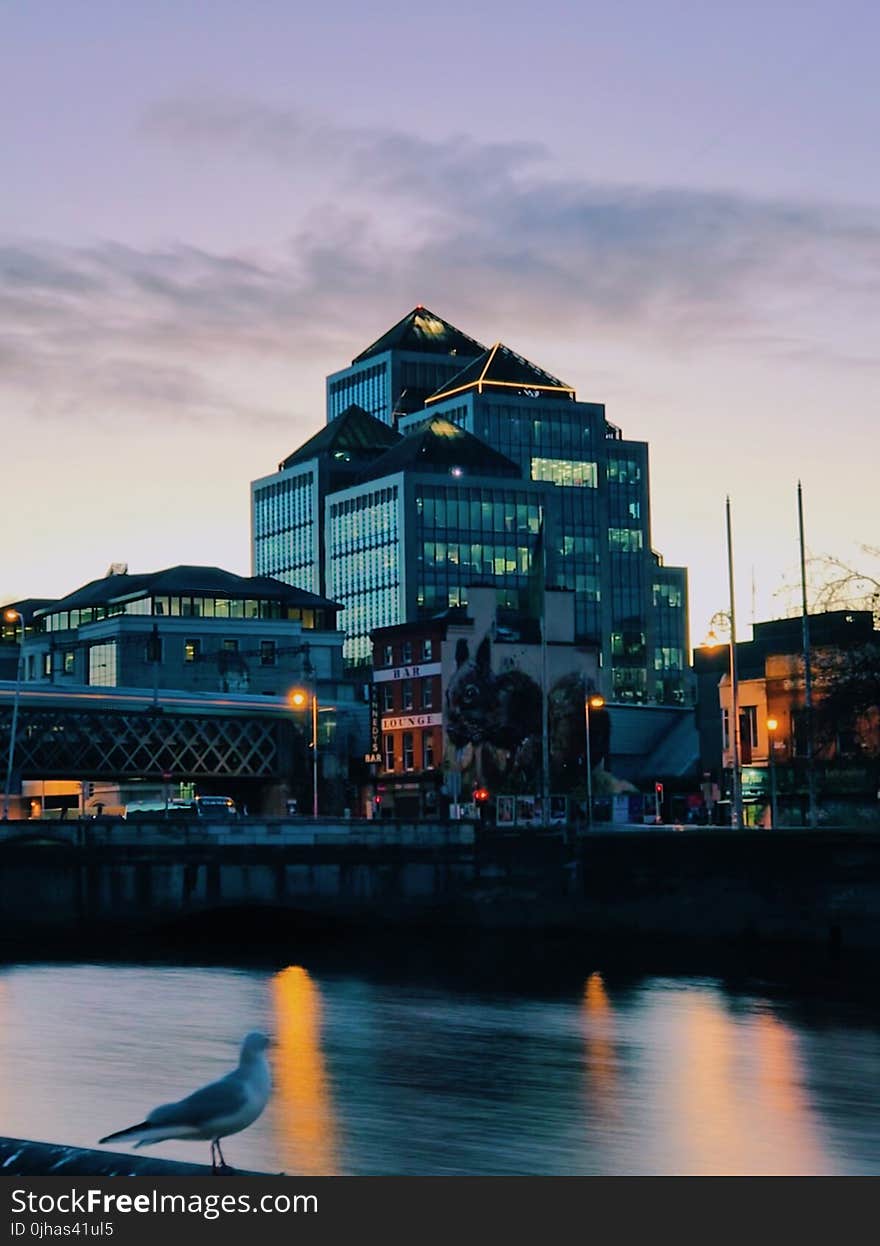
22 1158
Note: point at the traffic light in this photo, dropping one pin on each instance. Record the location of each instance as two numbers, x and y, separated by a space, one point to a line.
658 790
377 800
481 795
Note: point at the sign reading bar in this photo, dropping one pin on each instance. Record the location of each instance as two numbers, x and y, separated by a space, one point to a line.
406 721
373 759
419 671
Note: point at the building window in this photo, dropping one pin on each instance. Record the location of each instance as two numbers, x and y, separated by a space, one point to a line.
388 697
389 752
627 539
69 661
267 653
406 653
388 655
725 729
47 664
427 649
409 760
427 693
102 665
230 646
427 750
748 724
192 650
407 694
566 472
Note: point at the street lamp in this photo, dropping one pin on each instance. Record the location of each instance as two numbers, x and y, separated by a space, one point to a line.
11 615
772 724
594 702
300 698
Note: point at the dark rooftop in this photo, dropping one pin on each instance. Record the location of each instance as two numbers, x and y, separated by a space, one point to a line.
187 581
354 436
501 368
438 445
425 333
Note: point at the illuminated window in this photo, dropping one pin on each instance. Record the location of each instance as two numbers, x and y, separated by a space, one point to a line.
69 661
629 540
427 649
567 472
192 650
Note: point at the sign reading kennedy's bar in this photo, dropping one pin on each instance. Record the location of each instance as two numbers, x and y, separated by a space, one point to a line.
405 721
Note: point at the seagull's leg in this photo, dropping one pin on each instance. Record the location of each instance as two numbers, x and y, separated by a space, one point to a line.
213 1156
223 1163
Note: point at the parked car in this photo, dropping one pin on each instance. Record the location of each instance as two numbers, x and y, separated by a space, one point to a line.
216 808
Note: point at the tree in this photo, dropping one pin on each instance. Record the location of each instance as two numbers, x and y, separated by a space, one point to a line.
836 584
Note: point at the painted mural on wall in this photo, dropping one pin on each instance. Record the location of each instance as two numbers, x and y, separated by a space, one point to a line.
493 726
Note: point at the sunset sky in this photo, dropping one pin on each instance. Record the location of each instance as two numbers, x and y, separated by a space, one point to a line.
207 206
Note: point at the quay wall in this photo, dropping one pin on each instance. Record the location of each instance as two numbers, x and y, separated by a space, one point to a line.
786 886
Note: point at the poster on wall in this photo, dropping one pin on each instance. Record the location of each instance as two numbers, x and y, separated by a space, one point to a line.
504 810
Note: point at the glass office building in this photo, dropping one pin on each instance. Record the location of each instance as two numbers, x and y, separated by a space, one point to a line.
597 507
287 508
437 513
396 528
395 375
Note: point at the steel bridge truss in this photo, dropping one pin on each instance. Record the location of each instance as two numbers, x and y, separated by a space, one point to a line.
103 744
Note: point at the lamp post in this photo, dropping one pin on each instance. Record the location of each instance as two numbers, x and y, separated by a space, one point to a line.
772 724
11 615
300 698
594 702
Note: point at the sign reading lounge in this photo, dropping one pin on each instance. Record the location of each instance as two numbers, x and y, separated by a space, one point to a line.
406 721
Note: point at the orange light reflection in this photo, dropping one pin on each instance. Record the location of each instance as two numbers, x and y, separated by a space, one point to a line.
601 1061
303 1115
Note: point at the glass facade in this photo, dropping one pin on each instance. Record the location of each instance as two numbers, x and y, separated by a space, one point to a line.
670 633
560 443
285 541
364 552
367 385
472 534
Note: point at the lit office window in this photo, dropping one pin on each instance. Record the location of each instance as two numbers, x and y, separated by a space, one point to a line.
192 650
566 472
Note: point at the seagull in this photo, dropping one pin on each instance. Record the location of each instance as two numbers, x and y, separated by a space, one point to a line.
221 1108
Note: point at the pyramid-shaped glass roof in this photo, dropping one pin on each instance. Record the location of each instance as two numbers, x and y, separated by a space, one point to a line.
500 368
353 436
438 445
425 333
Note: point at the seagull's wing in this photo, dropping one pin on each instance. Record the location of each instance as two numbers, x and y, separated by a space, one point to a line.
216 1101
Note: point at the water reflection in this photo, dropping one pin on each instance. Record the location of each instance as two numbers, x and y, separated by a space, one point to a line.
303 1112
387 1076
600 1058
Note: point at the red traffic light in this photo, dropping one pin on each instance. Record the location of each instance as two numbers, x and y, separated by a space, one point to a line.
658 788
377 800
481 795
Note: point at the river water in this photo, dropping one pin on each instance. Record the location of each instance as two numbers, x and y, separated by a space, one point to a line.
404 1072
